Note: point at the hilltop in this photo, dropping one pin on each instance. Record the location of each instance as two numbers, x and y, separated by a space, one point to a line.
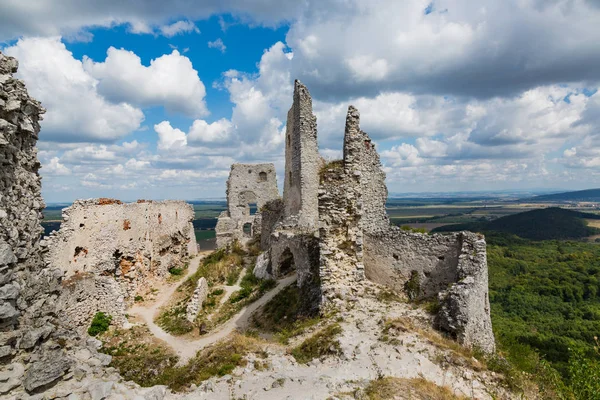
544 224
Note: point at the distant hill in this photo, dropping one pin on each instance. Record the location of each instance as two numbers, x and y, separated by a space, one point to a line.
580 195
544 224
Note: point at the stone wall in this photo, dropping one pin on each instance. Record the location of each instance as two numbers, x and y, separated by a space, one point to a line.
356 240
248 184
302 160
361 157
341 218
271 214
29 329
116 251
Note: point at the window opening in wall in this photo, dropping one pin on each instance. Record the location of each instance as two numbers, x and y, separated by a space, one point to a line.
287 264
290 175
253 208
262 177
288 140
247 229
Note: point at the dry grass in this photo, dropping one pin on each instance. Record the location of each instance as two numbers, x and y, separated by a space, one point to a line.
414 389
217 360
459 355
138 355
323 343
594 223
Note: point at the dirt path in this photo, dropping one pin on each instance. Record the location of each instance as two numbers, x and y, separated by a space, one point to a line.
186 348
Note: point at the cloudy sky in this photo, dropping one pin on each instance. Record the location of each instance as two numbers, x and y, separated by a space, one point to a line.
156 99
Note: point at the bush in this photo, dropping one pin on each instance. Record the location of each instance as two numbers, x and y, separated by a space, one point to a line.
175 271
100 324
138 298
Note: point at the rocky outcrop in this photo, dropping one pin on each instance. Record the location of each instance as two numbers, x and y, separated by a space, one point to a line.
195 304
250 186
110 252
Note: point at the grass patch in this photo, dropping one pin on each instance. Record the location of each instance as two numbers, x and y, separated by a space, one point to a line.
138 356
173 319
100 324
416 388
280 316
217 360
323 343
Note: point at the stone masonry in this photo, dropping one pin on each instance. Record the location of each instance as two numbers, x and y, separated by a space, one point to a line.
248 184
333 230
110 252
357 241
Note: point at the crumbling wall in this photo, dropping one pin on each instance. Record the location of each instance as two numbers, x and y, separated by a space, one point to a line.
302 160
340 218
271 214
465 305
30 347
36 349
356 238
361 157
132 244
248 184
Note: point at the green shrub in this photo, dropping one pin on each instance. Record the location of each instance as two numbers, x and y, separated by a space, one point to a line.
138 298
176 271
100 324
233 277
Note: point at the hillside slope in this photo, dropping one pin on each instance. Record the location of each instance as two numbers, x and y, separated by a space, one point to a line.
580 195
544 224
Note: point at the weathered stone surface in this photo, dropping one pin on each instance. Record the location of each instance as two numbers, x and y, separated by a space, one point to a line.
248 186
10 377
48 369
302 161
110 252
195 304
262 268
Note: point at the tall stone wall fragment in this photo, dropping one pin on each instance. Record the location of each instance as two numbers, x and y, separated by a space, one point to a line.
361 156
302 160
116 251
249 186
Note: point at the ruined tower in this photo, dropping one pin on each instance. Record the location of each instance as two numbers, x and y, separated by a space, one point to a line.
302 160
249 188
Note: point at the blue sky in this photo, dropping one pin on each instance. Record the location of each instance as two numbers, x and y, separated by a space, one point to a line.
157 101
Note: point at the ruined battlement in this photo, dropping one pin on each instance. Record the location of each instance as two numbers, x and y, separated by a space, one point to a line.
111 251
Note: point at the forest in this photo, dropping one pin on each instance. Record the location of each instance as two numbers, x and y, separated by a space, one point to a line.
545 299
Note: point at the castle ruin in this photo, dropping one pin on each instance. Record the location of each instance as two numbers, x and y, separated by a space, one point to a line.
111 252
331 227
249 188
